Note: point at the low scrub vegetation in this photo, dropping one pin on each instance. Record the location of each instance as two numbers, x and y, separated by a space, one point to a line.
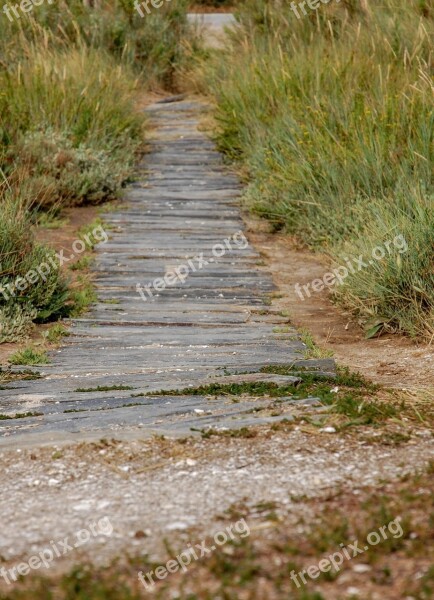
70 76
331 113
20 256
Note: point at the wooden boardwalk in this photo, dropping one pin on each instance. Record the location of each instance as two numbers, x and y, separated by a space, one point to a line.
214 321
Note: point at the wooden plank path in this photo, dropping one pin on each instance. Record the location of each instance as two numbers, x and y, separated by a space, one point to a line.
216 320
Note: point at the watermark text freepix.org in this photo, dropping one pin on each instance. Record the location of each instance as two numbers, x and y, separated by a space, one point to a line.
353 265
180 273
181 562
334 561
139 6
25 6
312 4
45 557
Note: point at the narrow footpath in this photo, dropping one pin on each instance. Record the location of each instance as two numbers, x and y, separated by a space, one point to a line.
182 303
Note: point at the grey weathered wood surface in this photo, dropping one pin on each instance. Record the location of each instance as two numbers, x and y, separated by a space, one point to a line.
218 320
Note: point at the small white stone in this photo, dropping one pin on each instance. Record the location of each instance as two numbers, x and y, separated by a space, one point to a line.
362 568
423 433
52 482
199 411
176 525
328 430
84 505
191 462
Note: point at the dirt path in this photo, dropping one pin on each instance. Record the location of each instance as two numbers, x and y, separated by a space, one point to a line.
192 483
212 26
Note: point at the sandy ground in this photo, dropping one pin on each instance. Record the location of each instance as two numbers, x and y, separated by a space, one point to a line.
51 493
391 360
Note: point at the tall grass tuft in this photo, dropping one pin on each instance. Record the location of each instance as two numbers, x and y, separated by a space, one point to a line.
69 125
332 114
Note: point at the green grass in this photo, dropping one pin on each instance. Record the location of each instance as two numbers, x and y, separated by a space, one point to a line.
31 296
20 416
56 333
82 264
29 356
312 350
154 46
331 116
51 220
105 388
90 233
353 398
71 127
83 296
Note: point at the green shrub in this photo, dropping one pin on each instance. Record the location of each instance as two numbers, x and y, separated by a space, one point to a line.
21 301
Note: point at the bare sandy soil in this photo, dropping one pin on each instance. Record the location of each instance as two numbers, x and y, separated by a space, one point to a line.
49 493
391 360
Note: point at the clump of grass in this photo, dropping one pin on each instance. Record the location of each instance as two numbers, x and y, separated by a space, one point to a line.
83 296
71 127
20 415
154 46
312 350
105 388
348 395
29 356
51 220
87 232
332 116
56 333
82 264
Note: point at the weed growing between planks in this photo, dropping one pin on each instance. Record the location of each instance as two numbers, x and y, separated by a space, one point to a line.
105 388
24 375
348 394
20 415
29 356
